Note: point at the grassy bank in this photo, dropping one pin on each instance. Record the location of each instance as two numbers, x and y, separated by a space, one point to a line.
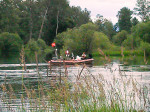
120 53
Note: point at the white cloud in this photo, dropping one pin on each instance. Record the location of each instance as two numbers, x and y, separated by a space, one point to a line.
107 8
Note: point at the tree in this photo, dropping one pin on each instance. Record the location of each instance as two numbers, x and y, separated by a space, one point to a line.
86 38
33 19
79 16
142 9
100 22
134 21
105 26
39 47
8 17
145 47
10 42
78 40
131 42
101 41
120 37
142 30
124 19
32 14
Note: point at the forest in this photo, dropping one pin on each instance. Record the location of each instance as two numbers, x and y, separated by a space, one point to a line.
32 25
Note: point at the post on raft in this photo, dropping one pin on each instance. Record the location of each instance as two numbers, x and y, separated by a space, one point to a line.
56 53
54 45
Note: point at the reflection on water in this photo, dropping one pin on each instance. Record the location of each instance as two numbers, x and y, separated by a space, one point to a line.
14 77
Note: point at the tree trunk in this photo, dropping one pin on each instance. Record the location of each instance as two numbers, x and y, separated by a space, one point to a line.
42 23
57 23
31 22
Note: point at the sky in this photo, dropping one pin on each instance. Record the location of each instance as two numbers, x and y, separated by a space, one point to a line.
107 8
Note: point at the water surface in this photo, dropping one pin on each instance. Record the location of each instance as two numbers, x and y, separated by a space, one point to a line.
12 75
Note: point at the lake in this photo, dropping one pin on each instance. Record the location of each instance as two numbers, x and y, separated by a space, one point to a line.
15 82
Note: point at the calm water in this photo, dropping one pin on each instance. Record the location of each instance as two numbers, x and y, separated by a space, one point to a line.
11 73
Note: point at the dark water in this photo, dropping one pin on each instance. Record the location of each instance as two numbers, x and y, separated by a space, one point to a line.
12 73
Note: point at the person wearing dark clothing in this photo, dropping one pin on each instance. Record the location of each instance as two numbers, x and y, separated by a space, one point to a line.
90 56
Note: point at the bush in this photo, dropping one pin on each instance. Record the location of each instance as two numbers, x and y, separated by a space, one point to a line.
41 43
131 42
39 47
145 47
101 41
78 40
83 39
120 37
10 42
142 30
32 46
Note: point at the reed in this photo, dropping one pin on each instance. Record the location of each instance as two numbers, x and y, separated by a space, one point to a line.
22 59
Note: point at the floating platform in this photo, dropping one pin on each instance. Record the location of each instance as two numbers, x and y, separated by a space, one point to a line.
71 62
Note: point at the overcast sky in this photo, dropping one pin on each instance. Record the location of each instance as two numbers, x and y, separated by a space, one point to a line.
107 8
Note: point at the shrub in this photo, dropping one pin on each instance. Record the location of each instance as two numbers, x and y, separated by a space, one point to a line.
131 42
39 47
32 46
41 43
101 41
10 42
83 39
145 47
78 40
142 30
120 37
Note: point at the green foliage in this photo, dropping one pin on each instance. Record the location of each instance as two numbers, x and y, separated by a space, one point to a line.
131 42
118 53
145 47
142 30
9 19
79 16
25 17
41 43
78 40
134 21
109 30
124 19
60 39
83 39
32 46
68 17
142 9
105 26
101 41
120 37
39 47
10 42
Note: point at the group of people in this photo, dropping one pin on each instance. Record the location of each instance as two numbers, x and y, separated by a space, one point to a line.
68 54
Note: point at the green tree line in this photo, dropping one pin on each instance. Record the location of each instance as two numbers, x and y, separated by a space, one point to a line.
88 38
32 20
35 24
28 17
